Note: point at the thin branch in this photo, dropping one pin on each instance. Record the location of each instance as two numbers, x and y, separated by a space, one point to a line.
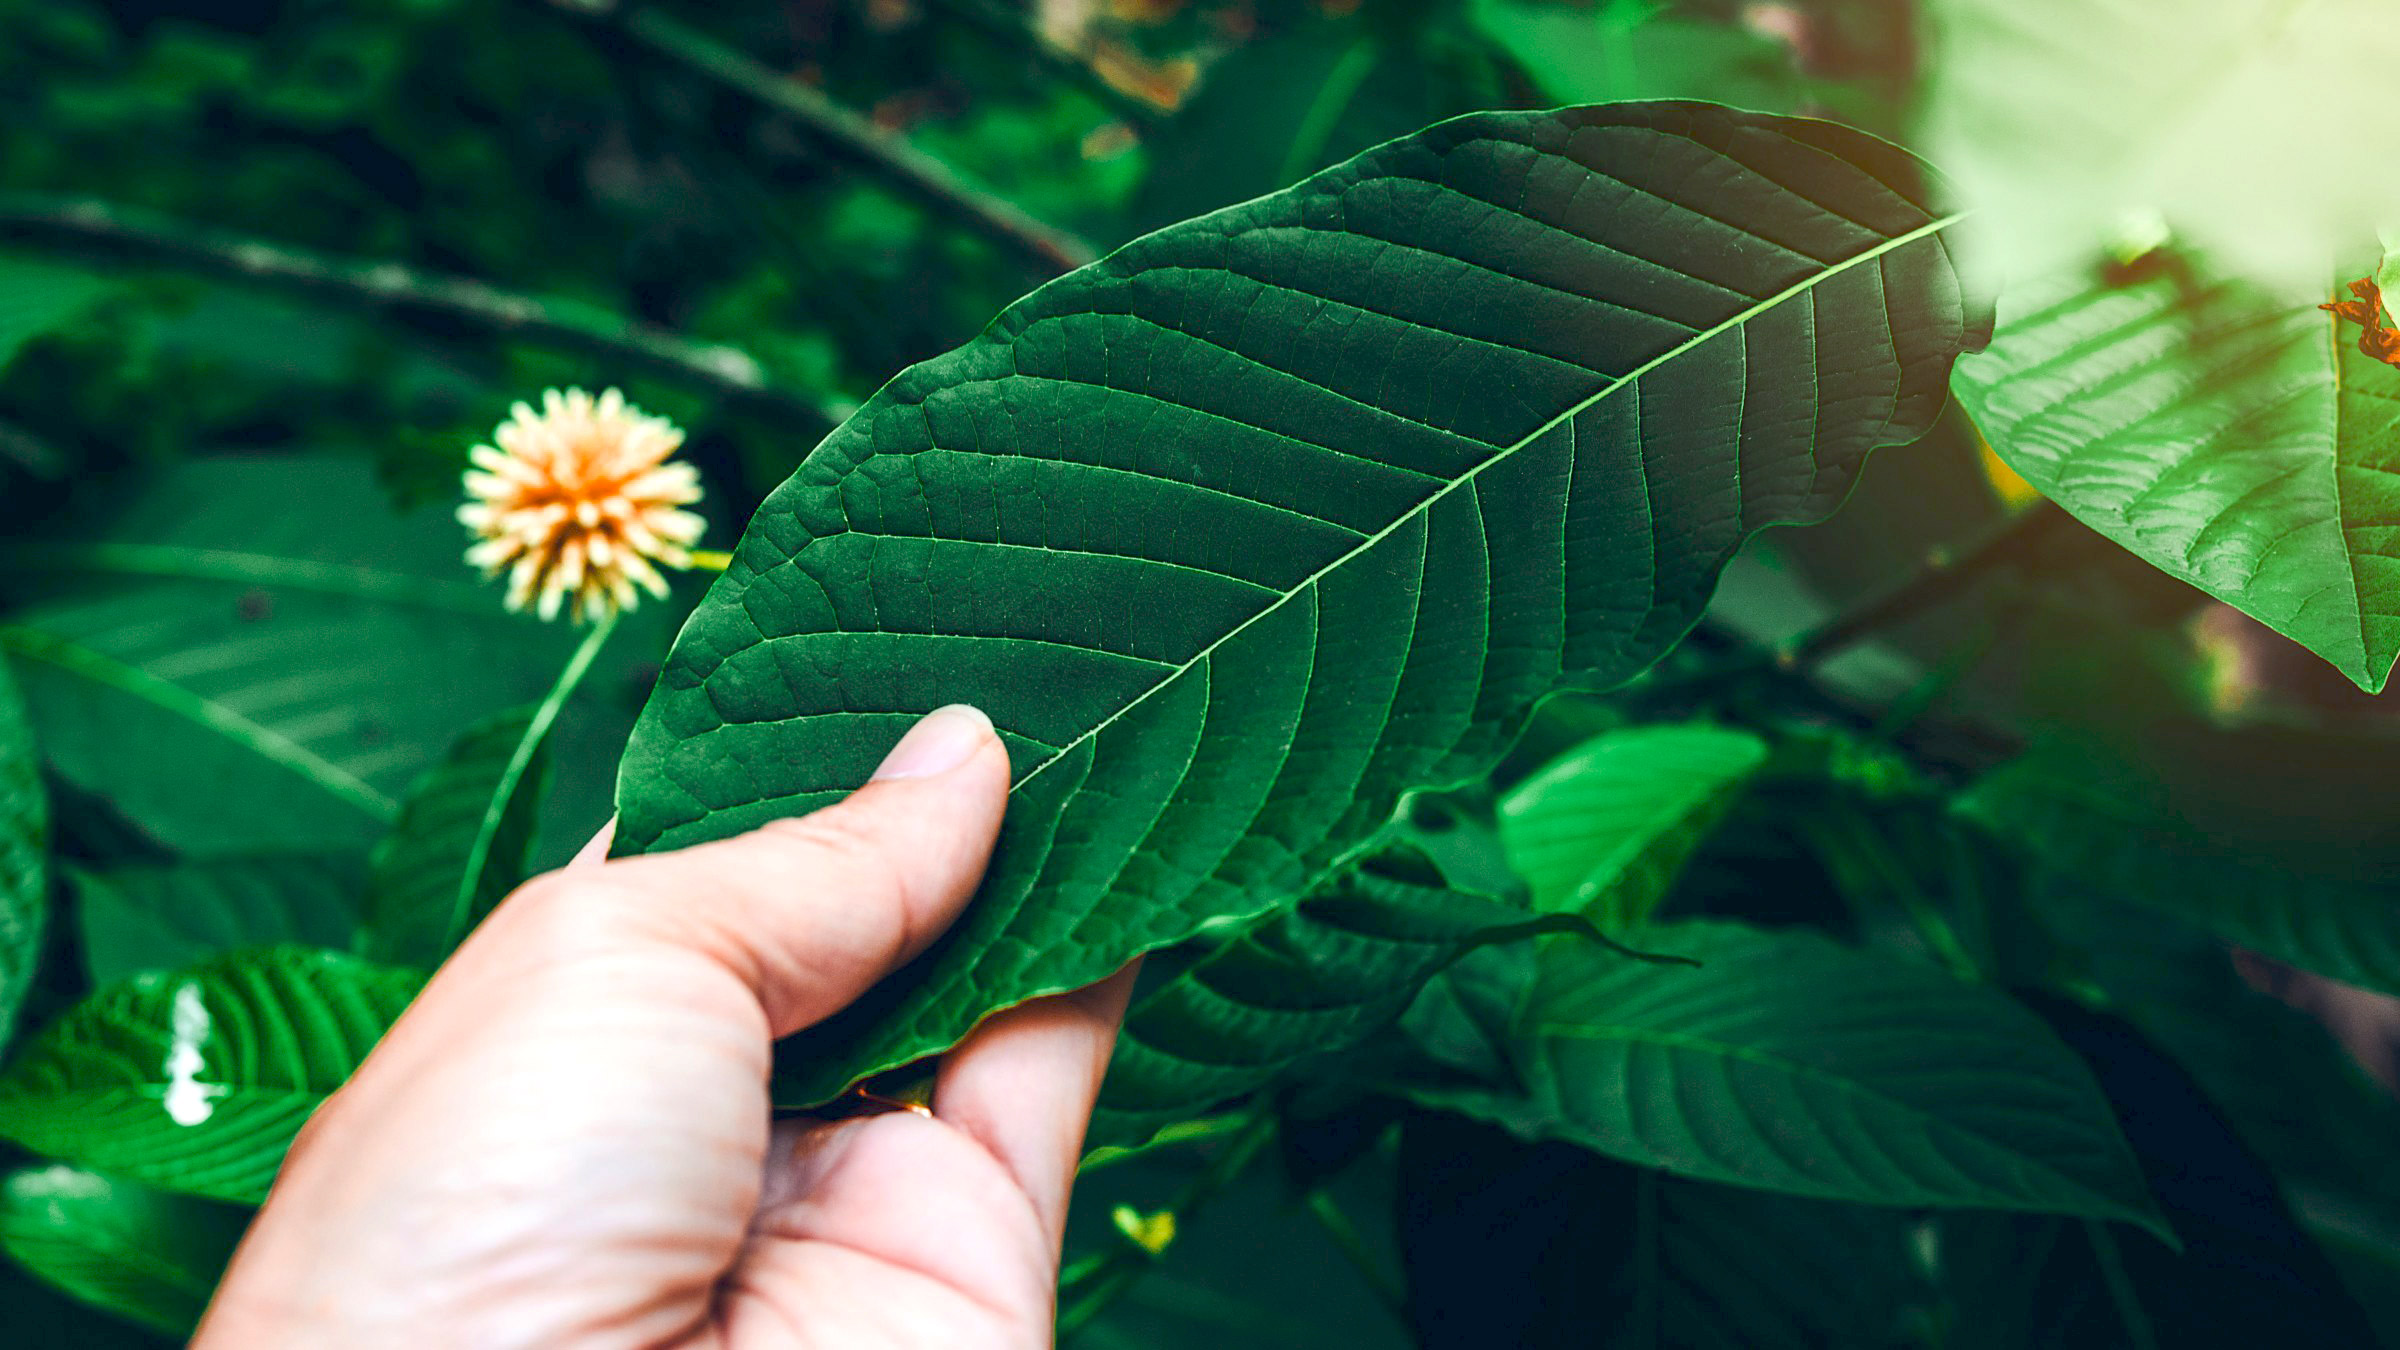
1942 577
902 165
1007 26
89 225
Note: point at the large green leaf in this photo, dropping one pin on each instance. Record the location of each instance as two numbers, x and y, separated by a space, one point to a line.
2058 808
460 843
1788 1062
258 655
165 916
140 1253
24 857
1604 828
195 1081
36 296
2242 445
1275 515
1302 984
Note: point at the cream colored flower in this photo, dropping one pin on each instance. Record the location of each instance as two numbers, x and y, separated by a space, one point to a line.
578 502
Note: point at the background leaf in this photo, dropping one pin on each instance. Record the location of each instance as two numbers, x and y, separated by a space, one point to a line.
1788 1062
1291 551
1301 985
1604 828
138 1252
2056 808
24 857
298 667
38 295
1634 49
460 843
2238 443
195 1081
165 916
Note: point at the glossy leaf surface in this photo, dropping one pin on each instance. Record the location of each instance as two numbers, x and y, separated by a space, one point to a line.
1274 515
1603 829
1788 1062
2244 446
195 1081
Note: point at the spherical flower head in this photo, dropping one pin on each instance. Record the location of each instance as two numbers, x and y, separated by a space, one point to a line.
577 503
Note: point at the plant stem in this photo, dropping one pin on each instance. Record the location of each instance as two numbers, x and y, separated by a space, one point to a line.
2139 1334
902 165
463 915
1942 577
1353 1247
1095 1285
88 224
1002 24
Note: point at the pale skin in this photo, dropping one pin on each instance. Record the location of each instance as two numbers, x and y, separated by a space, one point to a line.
566 1140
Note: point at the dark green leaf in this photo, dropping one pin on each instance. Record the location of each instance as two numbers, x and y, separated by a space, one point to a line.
1302 984
2240 444
1275 515
1603 829
460 843
196 1081
2062 810
165 916
1788 1062
37 296
138 1252
1547 1246
24 857
2246 1274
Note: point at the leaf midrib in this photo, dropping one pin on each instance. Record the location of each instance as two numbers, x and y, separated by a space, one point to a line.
267 743
1572 411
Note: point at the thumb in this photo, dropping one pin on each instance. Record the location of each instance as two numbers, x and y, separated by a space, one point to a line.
810 911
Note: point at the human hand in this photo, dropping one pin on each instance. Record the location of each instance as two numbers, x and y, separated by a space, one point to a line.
566 1142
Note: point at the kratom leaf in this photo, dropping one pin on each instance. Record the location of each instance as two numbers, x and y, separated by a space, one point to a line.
1301 984
2244 446
165 916
195 1081
2054 808
137 1252
460 843
37 296
1603 829
1272 516
24 857
237 675
1788 1062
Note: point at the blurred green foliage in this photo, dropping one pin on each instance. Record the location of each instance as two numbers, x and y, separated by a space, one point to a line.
224 525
